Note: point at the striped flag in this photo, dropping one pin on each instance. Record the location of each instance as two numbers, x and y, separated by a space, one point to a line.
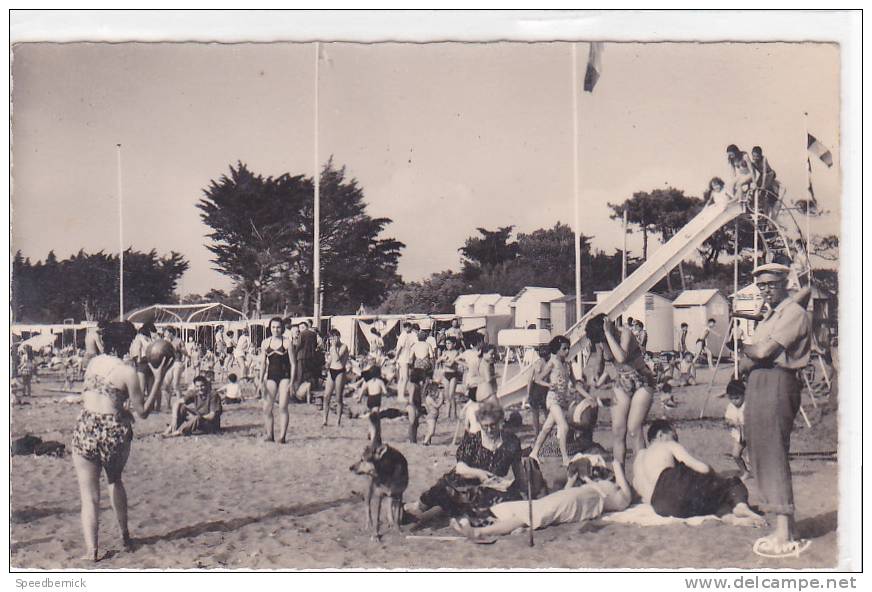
812 203
815 147
594 66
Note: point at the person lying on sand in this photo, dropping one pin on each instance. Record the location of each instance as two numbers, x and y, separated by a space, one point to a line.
596 494
197 411
676 484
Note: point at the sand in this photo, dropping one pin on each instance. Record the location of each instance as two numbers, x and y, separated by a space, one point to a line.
231 501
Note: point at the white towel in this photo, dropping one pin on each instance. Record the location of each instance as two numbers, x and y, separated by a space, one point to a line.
644 515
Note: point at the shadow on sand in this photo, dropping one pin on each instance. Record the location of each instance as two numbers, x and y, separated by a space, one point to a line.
237 523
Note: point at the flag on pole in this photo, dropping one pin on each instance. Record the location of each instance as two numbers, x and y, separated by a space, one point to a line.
594 66
812 200
815 147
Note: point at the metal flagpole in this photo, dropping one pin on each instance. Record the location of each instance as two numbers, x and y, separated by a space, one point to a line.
120 237
575 181
624 250
316 242
808 202
735 292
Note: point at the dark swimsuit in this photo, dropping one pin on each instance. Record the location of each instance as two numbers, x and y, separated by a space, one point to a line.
278 366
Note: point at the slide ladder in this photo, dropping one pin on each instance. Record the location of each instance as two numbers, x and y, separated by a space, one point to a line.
666 258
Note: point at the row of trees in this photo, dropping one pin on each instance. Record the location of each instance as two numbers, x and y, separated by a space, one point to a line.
85 286
262 238
494 262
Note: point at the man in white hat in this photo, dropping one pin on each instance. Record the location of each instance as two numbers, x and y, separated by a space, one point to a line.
780 348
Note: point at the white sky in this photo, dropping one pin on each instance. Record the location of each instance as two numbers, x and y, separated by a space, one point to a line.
442 137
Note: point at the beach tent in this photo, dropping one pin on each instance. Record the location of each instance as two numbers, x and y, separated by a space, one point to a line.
37 342
197 321
212 312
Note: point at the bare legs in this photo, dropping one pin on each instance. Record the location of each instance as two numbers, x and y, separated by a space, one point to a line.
450 389
337 384
268 402
555 417
284 416
402 382
628 415
88 476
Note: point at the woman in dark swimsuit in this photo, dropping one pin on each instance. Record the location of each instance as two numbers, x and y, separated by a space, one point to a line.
337 358
278 361
104 431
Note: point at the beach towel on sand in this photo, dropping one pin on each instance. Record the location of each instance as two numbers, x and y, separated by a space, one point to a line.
644 515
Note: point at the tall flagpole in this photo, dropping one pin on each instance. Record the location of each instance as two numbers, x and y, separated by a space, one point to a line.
808 202
624 249
120 236
575 181
316 243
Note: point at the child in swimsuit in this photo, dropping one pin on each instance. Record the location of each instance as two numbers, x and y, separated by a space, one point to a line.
450 373
563 391
337 356
374 388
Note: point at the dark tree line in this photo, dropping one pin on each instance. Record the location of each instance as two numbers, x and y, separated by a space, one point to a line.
85 286
495 262
262 238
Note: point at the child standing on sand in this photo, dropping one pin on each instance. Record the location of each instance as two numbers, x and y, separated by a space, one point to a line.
735 418
374 388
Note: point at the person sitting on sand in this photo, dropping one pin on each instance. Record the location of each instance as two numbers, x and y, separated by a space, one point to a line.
686 370
104 432
467 422
198 411
675 483
232 394
480 477
596 495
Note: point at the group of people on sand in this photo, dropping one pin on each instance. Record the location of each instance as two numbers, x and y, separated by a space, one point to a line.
478 492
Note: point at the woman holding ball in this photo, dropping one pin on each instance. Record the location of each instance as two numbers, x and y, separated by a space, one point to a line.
103 433
278 360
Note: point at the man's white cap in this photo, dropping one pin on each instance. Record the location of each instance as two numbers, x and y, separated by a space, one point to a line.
776 268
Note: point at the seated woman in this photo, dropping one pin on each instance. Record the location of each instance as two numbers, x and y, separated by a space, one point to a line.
480 478
597 494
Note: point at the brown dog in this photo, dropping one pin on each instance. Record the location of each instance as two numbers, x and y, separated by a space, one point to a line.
389 476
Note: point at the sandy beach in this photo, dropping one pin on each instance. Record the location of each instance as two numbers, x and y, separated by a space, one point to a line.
232 501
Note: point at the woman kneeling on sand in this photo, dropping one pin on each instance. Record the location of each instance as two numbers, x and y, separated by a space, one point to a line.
480 478
103 435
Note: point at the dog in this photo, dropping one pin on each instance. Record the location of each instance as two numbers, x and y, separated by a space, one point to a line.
388 471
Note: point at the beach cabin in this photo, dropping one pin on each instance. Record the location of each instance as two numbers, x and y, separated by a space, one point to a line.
562 314
532 306
821 306
656 314
468 305
695 307
464 305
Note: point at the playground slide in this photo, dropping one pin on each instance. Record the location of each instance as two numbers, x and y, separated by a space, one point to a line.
666 258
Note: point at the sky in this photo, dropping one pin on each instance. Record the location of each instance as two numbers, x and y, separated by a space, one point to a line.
442 137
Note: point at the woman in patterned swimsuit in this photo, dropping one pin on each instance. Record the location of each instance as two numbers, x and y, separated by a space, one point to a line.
103 434
634 385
